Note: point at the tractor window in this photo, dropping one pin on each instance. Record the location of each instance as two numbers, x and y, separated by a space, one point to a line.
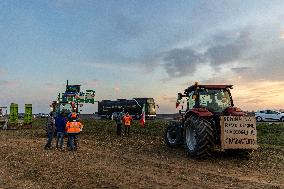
215 100
65 107
190 101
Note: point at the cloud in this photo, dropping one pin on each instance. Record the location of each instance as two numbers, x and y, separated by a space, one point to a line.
167 98
93 83
116 89
222 48
282 35
240 70
259 94
215 80
269 65
180 62
234 50
247 53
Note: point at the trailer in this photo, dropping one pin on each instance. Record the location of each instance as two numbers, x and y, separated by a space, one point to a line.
133 106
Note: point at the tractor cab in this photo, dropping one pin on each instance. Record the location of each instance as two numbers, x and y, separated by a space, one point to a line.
58 107
215 99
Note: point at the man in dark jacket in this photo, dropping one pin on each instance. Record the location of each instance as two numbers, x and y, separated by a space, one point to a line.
60 123
50 129
117 117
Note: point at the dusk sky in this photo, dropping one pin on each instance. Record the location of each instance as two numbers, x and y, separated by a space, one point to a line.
155 48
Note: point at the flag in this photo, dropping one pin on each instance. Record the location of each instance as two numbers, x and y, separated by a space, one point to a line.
142 120
177 104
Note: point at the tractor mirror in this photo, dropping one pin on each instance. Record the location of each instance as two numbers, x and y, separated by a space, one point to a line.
179 96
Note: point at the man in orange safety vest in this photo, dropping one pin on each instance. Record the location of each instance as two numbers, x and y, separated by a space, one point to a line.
127 119
73 129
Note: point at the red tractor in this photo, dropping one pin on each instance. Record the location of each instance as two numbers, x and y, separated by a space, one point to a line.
199 126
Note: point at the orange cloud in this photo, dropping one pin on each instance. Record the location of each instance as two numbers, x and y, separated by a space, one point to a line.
282 35
116 89
259 95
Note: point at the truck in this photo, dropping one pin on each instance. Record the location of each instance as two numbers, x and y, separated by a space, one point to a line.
133 106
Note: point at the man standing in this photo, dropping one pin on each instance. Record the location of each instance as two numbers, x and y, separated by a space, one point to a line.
50 129
127 119
118 120
60 123
73 129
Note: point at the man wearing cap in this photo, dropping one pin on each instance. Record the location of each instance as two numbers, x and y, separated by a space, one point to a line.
73 129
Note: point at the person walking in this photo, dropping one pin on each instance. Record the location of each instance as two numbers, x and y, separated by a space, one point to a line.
50 129
127 119
60 123
117 117
73 129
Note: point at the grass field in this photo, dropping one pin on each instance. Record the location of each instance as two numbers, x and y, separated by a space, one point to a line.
139 161
271 134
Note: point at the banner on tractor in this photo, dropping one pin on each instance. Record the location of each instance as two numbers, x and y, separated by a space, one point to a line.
88 97
238 132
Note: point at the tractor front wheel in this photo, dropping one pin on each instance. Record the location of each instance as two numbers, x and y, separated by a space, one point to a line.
173 135
198 137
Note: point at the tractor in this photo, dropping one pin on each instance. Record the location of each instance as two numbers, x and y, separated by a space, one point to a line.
198 127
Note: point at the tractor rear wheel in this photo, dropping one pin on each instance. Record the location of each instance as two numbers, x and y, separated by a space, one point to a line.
173 135
198 137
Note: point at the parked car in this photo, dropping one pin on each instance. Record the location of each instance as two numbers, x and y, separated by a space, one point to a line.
269 115
43 115
21 115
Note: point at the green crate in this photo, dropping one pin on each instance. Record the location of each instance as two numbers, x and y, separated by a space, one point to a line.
13 118
28 114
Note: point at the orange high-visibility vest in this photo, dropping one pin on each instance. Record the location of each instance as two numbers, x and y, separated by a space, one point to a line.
73 127
127 120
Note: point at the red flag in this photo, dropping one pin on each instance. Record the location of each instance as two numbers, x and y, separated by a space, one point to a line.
177 104
142 120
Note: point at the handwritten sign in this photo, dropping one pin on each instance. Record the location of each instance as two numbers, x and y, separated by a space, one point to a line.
238 132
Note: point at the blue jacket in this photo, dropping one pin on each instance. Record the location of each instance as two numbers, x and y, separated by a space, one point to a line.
60 123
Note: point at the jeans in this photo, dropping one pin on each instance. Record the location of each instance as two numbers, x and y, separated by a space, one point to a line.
59 140
49 139
73 141
118 128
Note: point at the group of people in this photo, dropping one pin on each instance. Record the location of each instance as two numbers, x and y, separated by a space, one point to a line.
61 125
126 120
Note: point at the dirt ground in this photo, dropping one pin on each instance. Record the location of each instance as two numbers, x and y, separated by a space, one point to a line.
137 161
